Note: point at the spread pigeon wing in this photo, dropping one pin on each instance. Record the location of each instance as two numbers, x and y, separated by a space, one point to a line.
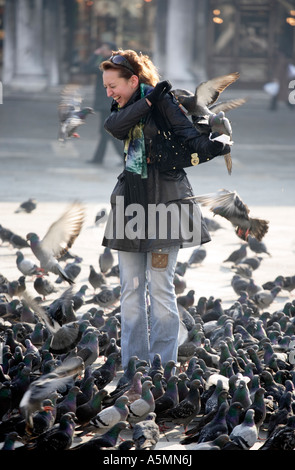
64 231
226 106
208 92
225 203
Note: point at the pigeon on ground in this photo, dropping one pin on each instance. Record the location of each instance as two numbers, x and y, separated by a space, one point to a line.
106 260
95 278
43 286
87 411
245 434
58 438
26 266
71 115
282 438
187 409
140 408
197 256
229 205
105 374
256 245
217 426
111 415
146 433
237 255
59 238
107 440
27 206
263 299
72 270
10 441
106 297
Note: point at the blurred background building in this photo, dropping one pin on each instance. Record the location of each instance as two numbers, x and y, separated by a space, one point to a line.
45 43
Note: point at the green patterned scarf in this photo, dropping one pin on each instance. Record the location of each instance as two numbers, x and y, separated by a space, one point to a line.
134 144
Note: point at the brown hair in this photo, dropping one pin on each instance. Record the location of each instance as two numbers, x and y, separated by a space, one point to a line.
142 65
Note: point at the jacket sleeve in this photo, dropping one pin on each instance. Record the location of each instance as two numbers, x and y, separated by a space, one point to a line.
178 122
121 121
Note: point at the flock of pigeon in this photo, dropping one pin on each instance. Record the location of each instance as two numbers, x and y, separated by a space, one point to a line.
61 382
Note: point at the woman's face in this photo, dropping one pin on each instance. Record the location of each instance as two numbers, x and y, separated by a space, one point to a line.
119 88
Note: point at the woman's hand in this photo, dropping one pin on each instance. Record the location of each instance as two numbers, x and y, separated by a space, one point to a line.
158 92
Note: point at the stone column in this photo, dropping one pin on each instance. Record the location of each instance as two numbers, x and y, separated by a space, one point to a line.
31 44
179 43
185 43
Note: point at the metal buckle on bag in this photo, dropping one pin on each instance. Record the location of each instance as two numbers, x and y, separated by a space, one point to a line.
194 159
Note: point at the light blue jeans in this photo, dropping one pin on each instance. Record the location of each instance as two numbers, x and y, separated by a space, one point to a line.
147 279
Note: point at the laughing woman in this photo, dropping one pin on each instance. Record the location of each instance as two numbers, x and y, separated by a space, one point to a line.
148 242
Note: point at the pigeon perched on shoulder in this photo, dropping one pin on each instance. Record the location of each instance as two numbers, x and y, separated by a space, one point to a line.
71 115
229 205
58 239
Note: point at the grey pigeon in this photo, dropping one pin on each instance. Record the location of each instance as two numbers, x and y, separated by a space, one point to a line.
187 409
95 278
140 408
111 415
59 238
106 260
26 266
71 115
255 244
263 299
146 433
27 206
106 297
229 205
197 256
245 434
206 93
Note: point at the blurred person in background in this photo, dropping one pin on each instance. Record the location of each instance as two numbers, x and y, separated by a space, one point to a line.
102 102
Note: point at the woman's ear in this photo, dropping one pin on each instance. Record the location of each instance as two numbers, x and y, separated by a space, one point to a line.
134 80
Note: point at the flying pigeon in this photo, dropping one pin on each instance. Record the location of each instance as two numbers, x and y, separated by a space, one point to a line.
58 239
41 388
206 116
229 205
70 113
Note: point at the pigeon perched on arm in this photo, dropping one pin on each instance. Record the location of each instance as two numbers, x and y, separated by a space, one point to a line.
58 239
71 115
229 205
206 116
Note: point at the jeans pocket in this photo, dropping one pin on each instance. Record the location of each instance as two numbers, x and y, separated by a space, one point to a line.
159 261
